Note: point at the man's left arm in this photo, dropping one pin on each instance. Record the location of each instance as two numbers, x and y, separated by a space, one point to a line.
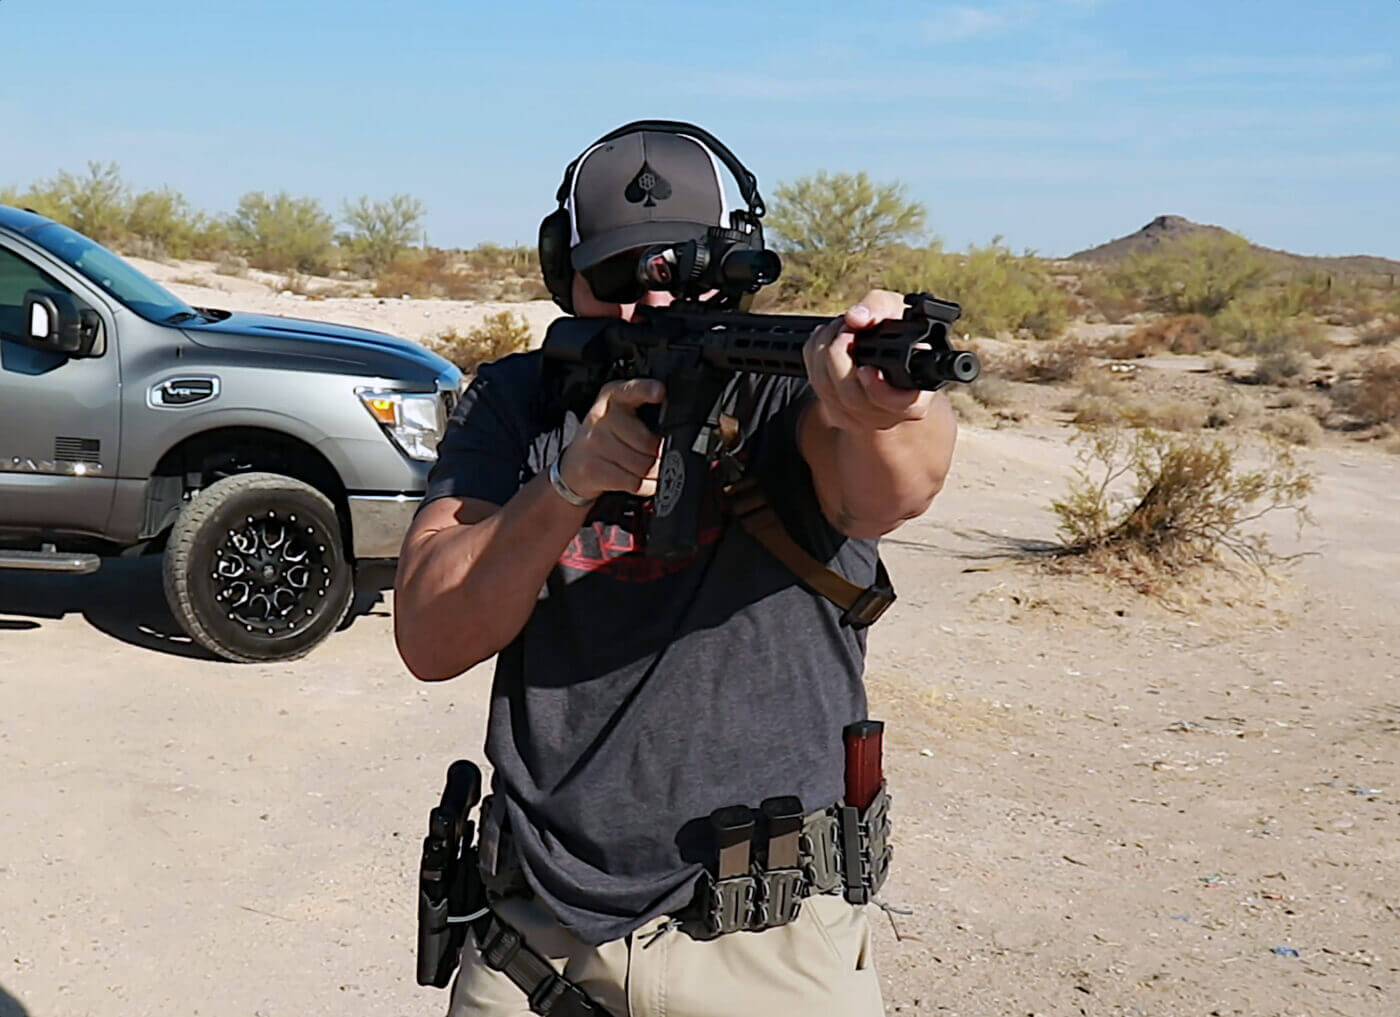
878 454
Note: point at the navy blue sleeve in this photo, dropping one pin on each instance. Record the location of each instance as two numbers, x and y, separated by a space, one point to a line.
486 443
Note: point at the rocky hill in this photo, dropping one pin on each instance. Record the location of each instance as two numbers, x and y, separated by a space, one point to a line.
1167 228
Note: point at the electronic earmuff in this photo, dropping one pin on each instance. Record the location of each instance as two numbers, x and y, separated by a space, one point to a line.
556 229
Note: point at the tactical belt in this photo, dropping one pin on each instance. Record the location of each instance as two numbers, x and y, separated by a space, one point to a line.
840 850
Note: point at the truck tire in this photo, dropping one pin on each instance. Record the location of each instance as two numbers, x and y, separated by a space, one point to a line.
255 568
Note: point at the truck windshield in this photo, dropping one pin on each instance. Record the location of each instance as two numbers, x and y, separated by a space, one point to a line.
104 268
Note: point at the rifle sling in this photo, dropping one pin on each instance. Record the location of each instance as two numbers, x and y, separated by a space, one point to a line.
862 606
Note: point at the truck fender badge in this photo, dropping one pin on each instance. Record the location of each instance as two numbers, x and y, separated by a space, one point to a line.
173 393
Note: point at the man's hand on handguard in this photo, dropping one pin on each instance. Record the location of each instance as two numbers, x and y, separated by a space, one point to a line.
878 454
853 397
613 450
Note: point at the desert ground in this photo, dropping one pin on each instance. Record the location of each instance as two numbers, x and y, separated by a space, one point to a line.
1105 803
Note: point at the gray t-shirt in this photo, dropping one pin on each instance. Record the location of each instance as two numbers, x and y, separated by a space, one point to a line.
643 694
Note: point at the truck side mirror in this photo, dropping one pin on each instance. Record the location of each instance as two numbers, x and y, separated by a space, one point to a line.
53 321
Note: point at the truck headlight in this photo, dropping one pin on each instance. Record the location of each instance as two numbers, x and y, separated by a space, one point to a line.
415 420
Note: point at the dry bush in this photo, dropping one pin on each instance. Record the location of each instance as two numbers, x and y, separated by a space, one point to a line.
1392 444
1380 332
1280 367
430 274
1293 426
497 335
1092 410
991 391
1218 363
1374 396
1231 407
1060 361
1188 500
295 282
1178 333
489 272
1169 415
231 264
968 409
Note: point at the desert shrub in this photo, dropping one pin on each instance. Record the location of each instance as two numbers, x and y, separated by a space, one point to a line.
999 291
167 224
1380 332
1260 324
1280 367
1180 333
966 407
1187 498
1090 409
487 272
991 391
1293 426
1108 296
1169 415
1374 396
497 335
1218 363
833 228
1392 444
281 232
432 273
380 230
1201 273
231 264
1230 407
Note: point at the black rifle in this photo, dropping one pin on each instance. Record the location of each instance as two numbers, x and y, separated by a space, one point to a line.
694 349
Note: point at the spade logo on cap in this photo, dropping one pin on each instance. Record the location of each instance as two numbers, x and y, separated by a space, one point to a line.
647 187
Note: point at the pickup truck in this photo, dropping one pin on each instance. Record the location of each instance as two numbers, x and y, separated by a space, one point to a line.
276 462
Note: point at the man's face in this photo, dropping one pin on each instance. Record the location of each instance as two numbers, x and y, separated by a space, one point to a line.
586 305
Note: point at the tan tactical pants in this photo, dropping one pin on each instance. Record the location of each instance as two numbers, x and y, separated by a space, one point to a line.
819 965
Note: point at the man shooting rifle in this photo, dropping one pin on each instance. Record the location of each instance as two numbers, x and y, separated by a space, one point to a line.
672 825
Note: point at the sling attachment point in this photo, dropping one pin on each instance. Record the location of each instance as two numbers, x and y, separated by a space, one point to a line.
550 993
861 606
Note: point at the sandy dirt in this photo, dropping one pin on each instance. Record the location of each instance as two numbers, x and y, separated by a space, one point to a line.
1105 804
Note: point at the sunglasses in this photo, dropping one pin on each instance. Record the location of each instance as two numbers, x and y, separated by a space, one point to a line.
623 278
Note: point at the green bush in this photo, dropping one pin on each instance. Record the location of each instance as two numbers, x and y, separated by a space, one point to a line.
999 291
1201 273
170 227
282 232
834 230
1259 323
381 230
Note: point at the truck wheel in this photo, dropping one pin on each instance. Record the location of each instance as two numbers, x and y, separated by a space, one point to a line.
255 568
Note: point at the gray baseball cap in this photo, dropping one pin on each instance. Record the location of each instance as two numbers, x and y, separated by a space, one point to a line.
644 188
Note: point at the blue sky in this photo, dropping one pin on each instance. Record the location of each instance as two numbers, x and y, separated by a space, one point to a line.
1055 123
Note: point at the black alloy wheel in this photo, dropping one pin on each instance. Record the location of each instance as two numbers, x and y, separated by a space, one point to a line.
256 569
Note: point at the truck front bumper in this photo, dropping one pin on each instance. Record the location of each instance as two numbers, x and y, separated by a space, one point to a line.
378 522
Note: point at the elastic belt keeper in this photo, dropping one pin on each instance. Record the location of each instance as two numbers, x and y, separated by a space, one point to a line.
501 946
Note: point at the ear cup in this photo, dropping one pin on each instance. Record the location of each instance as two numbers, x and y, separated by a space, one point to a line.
558 272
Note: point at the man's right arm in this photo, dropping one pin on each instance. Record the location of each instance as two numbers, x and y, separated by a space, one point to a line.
470 572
